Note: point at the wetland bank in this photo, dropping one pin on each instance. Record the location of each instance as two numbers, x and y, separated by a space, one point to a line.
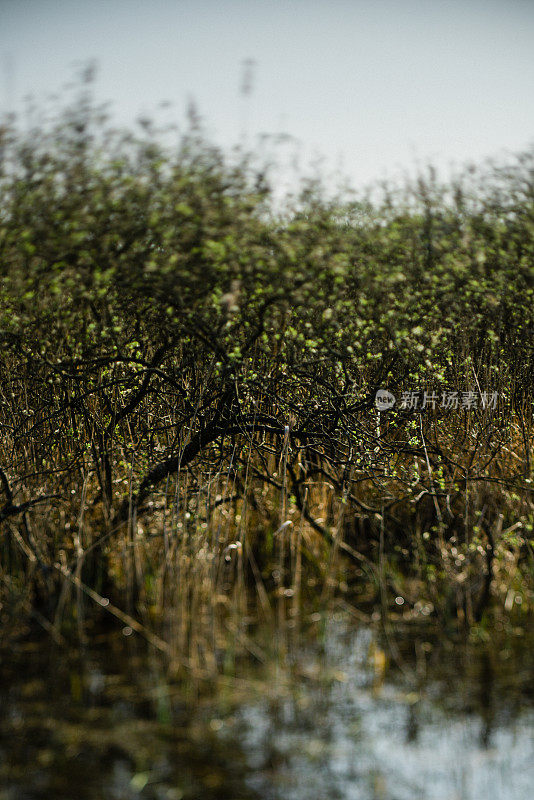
225 571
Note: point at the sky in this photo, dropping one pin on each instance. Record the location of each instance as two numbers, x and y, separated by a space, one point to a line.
375 87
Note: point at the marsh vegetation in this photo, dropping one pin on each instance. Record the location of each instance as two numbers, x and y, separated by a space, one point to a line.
191 451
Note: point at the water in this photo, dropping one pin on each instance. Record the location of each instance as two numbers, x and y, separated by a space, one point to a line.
340 718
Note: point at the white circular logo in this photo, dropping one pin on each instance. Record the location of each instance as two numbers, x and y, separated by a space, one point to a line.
384 400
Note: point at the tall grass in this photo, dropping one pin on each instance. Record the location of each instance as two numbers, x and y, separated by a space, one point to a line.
190 442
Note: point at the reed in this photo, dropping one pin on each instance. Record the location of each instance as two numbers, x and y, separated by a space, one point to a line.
190 441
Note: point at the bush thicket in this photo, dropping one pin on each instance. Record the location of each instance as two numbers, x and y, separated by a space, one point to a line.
186 367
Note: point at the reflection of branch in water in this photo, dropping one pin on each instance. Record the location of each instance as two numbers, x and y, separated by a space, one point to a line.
412 724
487 684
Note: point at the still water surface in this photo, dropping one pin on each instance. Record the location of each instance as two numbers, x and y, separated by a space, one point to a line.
340 719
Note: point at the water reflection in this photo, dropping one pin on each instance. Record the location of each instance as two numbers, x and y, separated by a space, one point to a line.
357 737
337 721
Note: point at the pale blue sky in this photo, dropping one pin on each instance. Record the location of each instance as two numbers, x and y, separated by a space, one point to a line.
372 86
